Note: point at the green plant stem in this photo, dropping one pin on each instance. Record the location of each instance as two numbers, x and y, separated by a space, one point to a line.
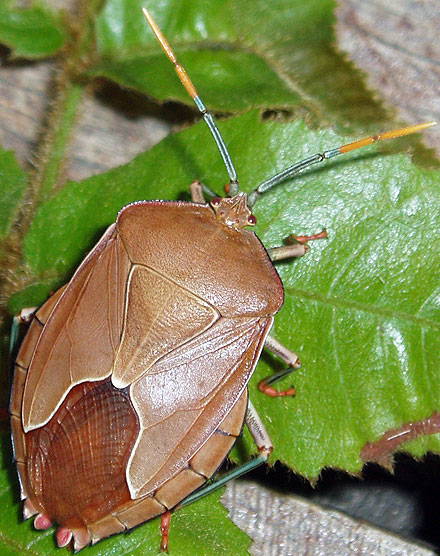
50 157
69 94
58 136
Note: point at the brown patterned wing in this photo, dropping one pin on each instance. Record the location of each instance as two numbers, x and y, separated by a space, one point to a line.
82 332
185 396
113 318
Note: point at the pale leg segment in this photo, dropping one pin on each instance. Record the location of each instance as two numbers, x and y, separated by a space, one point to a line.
287 252
296 246
25 317
290 358
198 192
196 189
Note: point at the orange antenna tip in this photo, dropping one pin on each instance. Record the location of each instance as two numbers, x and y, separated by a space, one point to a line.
166 47
393 134
160 36
192 91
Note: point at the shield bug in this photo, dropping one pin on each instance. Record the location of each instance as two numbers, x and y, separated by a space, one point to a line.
109 435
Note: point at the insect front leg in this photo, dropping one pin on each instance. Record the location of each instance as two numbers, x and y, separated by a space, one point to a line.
297 246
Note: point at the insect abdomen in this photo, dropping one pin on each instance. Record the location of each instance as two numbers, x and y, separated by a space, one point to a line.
76 463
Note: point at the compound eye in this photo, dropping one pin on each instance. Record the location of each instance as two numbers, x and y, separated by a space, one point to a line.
216 201
252 220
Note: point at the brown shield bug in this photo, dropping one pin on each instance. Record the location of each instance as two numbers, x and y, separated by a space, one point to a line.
109 435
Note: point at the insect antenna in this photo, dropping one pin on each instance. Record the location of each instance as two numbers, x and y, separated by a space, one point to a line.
192 91
321 157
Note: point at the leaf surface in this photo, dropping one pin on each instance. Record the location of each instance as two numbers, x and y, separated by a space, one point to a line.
239 54
361 308
34 32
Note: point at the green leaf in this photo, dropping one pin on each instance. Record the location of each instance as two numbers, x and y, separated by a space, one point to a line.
361 308
34 32
203 528
12 187
240 54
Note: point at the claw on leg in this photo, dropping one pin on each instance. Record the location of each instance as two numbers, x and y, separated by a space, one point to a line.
265 387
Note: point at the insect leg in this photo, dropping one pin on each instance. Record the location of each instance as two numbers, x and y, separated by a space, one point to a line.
196 190
287 251
321 157
25 316
297 246
13 335
199 191
290 358
258 432
165 523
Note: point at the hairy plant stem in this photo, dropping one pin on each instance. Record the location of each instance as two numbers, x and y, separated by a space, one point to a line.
50 157
52 153
70 89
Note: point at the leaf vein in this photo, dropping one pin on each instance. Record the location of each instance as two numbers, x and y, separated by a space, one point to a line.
338 302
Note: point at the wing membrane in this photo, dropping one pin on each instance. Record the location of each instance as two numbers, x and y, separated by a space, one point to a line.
160 316
185 396
90 308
